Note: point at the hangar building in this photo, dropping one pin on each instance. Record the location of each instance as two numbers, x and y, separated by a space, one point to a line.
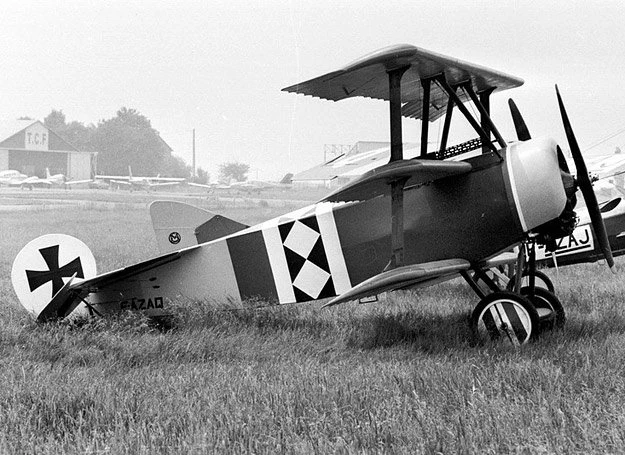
30 147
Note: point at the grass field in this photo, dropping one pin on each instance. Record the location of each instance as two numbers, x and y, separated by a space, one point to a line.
396 376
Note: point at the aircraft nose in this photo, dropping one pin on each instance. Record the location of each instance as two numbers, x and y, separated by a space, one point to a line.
535 180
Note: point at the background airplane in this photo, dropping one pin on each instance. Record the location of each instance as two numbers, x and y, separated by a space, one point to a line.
145 183
405 224
14 178
61 180
248 185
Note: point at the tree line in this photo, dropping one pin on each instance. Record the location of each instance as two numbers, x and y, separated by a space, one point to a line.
127 139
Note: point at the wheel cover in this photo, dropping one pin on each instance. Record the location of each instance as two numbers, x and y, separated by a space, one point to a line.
505 319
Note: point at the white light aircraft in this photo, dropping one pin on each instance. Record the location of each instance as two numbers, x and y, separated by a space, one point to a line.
145 183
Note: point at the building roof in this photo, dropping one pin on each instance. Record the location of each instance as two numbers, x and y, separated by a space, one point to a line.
12 127
13 135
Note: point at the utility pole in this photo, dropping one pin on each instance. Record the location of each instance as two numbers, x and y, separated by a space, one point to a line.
194 173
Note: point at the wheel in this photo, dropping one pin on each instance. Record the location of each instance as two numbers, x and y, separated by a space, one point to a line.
541 280
505 316
548 306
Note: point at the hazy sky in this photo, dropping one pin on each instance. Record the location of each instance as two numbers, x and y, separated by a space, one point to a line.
218 67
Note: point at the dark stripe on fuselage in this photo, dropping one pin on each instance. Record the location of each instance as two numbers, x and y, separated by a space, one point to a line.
251 266
468 216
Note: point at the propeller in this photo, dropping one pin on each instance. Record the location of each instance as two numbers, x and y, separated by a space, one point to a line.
583 180
523 133
585 186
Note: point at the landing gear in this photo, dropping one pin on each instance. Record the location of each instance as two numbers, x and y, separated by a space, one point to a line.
517 310
505 316
539 276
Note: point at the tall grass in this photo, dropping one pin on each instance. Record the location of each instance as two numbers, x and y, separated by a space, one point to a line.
396 376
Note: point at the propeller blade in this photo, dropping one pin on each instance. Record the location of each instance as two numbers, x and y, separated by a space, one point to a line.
586 186
522 133
562 161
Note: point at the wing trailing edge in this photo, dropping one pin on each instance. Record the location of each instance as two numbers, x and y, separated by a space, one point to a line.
402 277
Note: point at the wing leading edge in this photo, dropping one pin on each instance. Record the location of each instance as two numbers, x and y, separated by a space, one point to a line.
368 77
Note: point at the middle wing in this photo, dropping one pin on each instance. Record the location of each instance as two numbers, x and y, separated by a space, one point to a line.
416 171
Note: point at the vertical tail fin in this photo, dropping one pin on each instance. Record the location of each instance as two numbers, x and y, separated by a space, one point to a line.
178 225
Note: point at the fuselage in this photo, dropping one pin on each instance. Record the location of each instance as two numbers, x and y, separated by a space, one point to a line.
325 249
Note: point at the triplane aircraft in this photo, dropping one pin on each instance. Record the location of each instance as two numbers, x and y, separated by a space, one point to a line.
408 223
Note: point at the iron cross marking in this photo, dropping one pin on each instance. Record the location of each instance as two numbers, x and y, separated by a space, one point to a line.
37 278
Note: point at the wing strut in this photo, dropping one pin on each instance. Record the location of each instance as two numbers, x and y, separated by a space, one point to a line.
476 126
446 126
489 126
485 101
394 85
425 116
397 153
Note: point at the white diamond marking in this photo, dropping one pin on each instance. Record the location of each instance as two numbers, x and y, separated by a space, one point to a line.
311 279
301 239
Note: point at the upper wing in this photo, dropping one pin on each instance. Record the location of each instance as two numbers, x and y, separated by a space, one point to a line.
416 171
403 277
367 77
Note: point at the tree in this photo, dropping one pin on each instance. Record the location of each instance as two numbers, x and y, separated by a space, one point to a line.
55 121
174 166
76 133
202 176
233 171
128 139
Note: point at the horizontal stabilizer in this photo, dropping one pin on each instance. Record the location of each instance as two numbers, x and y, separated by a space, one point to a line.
416 171
62 304
402 277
